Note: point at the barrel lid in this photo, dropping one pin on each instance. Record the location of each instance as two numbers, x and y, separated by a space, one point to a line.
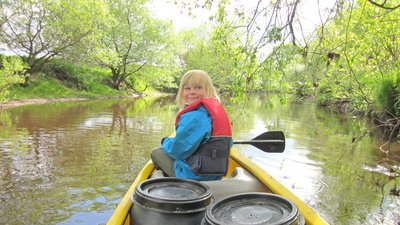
172 195
253 208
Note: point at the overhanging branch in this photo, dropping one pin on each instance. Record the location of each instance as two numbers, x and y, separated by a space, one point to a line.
382 5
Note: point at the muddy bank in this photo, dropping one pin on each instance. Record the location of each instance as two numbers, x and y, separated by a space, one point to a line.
14 103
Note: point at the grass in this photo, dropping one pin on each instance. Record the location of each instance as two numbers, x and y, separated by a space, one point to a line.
52 88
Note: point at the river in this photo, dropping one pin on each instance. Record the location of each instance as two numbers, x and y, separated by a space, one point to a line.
71 162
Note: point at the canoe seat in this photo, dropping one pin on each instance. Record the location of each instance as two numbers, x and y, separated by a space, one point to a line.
240 181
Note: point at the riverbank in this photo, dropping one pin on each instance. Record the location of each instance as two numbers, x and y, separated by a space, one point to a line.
15 103
20 102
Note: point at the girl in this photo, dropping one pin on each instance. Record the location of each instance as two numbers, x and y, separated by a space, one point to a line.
203 134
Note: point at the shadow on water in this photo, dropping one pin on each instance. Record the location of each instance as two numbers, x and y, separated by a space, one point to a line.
71 162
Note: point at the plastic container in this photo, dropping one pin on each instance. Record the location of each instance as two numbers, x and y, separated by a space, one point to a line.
170 201
254 208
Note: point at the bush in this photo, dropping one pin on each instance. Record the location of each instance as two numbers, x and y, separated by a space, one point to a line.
11 68
91 80
388 93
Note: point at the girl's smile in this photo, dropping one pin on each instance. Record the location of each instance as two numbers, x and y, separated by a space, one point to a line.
193 93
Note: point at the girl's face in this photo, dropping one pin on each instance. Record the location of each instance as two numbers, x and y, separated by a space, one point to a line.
193 93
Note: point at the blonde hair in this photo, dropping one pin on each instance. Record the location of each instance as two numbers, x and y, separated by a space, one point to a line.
196 77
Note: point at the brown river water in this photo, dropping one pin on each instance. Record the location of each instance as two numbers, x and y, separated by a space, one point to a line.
71 162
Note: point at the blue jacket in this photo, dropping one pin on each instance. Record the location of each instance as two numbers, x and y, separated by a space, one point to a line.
194 128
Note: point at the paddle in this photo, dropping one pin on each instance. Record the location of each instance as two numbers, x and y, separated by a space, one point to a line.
270 141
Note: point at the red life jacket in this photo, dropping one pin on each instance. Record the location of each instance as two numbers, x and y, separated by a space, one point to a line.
212 157
221 125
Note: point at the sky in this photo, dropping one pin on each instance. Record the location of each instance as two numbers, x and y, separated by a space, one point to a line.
166 9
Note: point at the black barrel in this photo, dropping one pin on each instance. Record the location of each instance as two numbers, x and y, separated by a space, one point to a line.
254 208
170 201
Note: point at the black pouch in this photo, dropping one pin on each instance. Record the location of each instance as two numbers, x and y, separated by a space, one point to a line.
212 158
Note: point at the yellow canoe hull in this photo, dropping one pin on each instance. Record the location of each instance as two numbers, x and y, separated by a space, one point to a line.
121 215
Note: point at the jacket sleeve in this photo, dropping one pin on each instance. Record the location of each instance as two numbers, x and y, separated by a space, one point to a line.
193 129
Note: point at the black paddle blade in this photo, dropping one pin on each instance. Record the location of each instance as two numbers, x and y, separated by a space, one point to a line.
271 141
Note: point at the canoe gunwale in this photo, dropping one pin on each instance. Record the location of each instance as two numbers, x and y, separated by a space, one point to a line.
121 213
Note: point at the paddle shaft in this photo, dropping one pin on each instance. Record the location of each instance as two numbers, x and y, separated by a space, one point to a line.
258 141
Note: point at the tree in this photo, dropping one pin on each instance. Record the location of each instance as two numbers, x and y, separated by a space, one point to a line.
132 41
196 50
251 34
39 30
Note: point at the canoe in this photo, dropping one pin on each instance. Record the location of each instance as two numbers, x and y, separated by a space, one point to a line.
244 176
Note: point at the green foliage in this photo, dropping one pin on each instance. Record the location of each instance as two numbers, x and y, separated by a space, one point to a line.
78 30
11 70
38 31
164 79
48 87
388 94
359 49
130 42
80 77
303 89
42 87
65 72
289 68
64 79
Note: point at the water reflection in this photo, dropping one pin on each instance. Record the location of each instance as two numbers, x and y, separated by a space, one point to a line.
71 162
325 162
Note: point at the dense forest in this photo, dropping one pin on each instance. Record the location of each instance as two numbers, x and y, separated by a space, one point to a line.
349 62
